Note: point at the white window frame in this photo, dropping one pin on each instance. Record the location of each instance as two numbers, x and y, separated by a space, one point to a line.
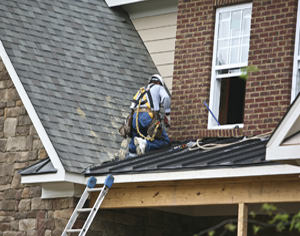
215 84
296 67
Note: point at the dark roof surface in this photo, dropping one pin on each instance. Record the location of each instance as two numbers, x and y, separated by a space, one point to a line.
42 167
240 153
80 62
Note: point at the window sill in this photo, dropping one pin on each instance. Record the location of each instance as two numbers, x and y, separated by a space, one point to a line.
231 126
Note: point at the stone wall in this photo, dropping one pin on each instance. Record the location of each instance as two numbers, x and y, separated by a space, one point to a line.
22 211
268 90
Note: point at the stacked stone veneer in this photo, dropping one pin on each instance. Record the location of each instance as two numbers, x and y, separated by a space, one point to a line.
273 26
22 211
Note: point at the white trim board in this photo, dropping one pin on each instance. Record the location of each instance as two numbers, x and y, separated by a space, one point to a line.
289 125
53 178
31 112
63 189
114 3
266 170
296 49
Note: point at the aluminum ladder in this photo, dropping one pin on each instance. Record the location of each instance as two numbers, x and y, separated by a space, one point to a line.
92 211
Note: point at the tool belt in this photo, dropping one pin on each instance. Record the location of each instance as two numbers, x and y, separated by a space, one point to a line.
155 129
125 129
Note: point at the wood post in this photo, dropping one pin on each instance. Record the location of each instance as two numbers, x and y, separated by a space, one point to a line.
242 220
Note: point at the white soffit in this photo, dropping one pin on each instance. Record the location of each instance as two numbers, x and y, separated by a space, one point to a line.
277 147
31 112
114 3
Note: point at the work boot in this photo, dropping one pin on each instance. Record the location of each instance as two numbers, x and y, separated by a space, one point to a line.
140 145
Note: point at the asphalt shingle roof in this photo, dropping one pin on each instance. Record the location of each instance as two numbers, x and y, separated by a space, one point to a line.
238 153
80 63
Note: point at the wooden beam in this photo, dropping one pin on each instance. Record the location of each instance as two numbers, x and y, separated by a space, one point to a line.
204 192
242 220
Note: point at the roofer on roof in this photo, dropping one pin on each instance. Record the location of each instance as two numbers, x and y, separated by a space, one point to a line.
146 130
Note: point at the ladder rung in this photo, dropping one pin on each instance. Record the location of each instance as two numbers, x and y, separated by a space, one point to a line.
94 189
73 230
84 209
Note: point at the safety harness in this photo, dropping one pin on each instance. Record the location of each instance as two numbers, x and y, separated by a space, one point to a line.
142 99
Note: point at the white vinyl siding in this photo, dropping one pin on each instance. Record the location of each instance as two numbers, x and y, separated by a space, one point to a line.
159 33
230 55
296 69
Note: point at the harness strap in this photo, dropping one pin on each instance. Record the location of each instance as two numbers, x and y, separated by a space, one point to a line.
143 91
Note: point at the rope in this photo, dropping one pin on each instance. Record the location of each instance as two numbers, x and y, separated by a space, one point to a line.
137 121
211 146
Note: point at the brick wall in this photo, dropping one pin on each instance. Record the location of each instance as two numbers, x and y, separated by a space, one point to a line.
271 50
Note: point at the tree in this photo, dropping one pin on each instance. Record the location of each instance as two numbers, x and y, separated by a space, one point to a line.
276 218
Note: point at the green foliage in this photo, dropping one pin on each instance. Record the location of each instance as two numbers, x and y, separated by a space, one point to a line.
211 233
280 220
256 228
246 70
269 208
252 214
230 227
295 223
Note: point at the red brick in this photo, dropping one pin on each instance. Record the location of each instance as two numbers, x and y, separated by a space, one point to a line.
271 50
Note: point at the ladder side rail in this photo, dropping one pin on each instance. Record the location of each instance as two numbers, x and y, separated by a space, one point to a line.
94 211
75 213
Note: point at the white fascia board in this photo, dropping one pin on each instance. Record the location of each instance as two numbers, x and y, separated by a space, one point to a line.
280 169
282 131
296 48
114 3
288 152
53 178
31 111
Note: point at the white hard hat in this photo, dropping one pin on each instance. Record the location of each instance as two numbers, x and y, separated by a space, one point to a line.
157 78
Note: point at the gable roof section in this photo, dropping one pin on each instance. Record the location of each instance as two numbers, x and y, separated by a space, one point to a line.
79 63
280 146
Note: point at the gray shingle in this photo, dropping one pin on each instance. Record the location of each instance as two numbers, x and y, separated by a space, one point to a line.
72 54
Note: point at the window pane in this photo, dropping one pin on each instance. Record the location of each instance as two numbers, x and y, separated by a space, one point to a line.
224 29
245 41
235 42
224 16
246 26
223 43
236 18
222 57
234 55
235 27
244 56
